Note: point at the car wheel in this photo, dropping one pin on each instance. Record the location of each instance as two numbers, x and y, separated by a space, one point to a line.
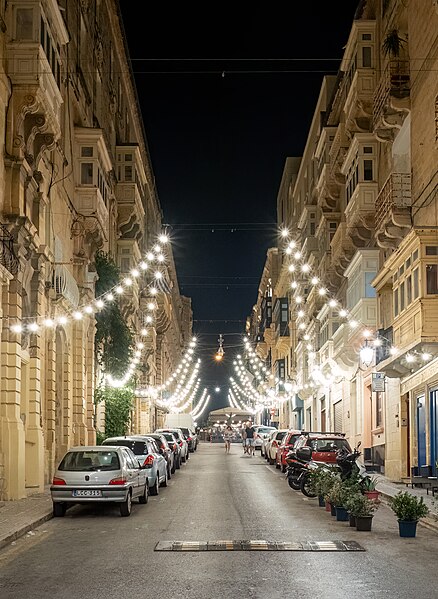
178 464
156 488
164 483
277 465
271 461
59 510
126 506
144 498
169 473
173 467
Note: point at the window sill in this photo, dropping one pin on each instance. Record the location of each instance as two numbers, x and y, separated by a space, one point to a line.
378 431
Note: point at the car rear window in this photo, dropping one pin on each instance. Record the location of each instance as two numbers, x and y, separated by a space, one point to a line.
280 436
90 461
328 444
169 437
290 440
263 430
137 447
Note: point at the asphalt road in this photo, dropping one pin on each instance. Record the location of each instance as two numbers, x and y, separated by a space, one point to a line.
94 553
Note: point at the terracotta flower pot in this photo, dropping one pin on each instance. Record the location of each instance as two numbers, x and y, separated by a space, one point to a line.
327 506
373 495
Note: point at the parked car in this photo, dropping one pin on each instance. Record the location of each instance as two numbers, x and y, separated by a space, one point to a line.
260 433
264 447
147 453
274 441
97 474
165 451
175 447
324 445
191 438
285 446
177 432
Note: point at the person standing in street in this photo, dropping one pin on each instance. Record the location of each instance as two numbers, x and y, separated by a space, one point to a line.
227 434
249 434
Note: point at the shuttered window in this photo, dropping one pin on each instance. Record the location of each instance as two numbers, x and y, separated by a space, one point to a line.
337 417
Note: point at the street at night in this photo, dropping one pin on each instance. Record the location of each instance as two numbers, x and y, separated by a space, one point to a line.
95 553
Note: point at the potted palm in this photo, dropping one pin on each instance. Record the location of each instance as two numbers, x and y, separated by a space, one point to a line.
363 510
369 487
408 509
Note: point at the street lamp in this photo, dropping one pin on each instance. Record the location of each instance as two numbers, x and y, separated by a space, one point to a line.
366 354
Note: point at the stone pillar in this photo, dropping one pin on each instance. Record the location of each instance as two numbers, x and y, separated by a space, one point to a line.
79 382
11 426
90 374
50 404
33 425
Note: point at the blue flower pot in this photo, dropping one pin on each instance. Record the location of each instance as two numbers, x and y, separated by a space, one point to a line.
321 501
407 529
341 514
332 509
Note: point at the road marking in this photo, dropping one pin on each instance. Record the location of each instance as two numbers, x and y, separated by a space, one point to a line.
258 545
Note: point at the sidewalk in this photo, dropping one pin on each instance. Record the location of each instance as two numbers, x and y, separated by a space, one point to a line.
21 516
390 489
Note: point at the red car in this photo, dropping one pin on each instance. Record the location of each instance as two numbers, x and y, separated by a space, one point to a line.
286 445
323 445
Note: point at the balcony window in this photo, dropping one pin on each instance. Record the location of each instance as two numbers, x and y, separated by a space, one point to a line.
367 170
416 289
369 289
432 279
396 302
51 50
87 152
24 29
86 173
431 250
406 283
366 57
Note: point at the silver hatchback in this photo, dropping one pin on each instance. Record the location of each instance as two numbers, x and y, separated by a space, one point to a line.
98 474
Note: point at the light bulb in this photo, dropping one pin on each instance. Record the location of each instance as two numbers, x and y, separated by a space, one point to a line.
119 289
100 303
135 273
77 315
163 238
16 328
342 313
110 297
33 327
143 265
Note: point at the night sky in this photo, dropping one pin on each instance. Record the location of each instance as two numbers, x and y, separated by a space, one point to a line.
219 132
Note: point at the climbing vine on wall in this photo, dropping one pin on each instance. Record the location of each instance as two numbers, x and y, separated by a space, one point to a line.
114 340
118 405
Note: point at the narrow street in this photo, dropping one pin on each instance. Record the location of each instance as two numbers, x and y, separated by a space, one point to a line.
95 553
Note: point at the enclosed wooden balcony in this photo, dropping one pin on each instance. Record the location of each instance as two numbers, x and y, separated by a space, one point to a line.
393 210
391 102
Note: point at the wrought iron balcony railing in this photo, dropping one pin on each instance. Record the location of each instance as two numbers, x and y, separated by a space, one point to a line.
8 258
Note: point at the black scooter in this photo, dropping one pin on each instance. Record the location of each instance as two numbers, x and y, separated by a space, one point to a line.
295 469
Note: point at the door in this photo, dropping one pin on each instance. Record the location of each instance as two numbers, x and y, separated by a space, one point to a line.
421 431
337 417
433 400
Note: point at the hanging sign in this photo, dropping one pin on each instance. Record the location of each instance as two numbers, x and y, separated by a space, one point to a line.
378 382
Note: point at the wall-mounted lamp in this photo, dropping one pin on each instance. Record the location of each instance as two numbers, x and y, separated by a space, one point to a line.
366 354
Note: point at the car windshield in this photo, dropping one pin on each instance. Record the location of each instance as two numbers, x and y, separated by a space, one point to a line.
291 440
90 461
169 437
264 430
186 432
329 444
138 447
280 435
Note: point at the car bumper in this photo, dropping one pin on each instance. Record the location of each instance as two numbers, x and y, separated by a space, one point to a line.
258 442
65 494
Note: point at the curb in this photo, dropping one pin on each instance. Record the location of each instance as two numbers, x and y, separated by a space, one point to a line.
24 529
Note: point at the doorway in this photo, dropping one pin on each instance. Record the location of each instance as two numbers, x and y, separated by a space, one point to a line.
433 400
421 431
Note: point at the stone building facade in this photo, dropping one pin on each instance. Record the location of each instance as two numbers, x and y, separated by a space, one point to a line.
362 213
75 177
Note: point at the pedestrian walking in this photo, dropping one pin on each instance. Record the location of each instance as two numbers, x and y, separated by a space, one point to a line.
243 433
228 434
249 440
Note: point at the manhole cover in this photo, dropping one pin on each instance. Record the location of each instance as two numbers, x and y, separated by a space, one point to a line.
258 545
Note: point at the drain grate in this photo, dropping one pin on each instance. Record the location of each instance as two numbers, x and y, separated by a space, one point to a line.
258 545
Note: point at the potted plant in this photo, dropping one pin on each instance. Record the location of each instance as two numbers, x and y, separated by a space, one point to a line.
336 497
369 487
363 510
320 481
408 509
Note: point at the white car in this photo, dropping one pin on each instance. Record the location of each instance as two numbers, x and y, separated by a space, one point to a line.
273 443
97 474
261 432
179 435
265 443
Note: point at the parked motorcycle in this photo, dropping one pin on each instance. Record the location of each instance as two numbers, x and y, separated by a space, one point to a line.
296 466
346 464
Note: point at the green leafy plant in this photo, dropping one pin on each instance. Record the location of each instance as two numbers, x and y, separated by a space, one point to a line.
369 483
118 405
360 506
393 43
407 507
321 480
113 339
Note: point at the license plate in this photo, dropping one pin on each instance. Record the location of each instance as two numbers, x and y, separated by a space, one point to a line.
87 493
